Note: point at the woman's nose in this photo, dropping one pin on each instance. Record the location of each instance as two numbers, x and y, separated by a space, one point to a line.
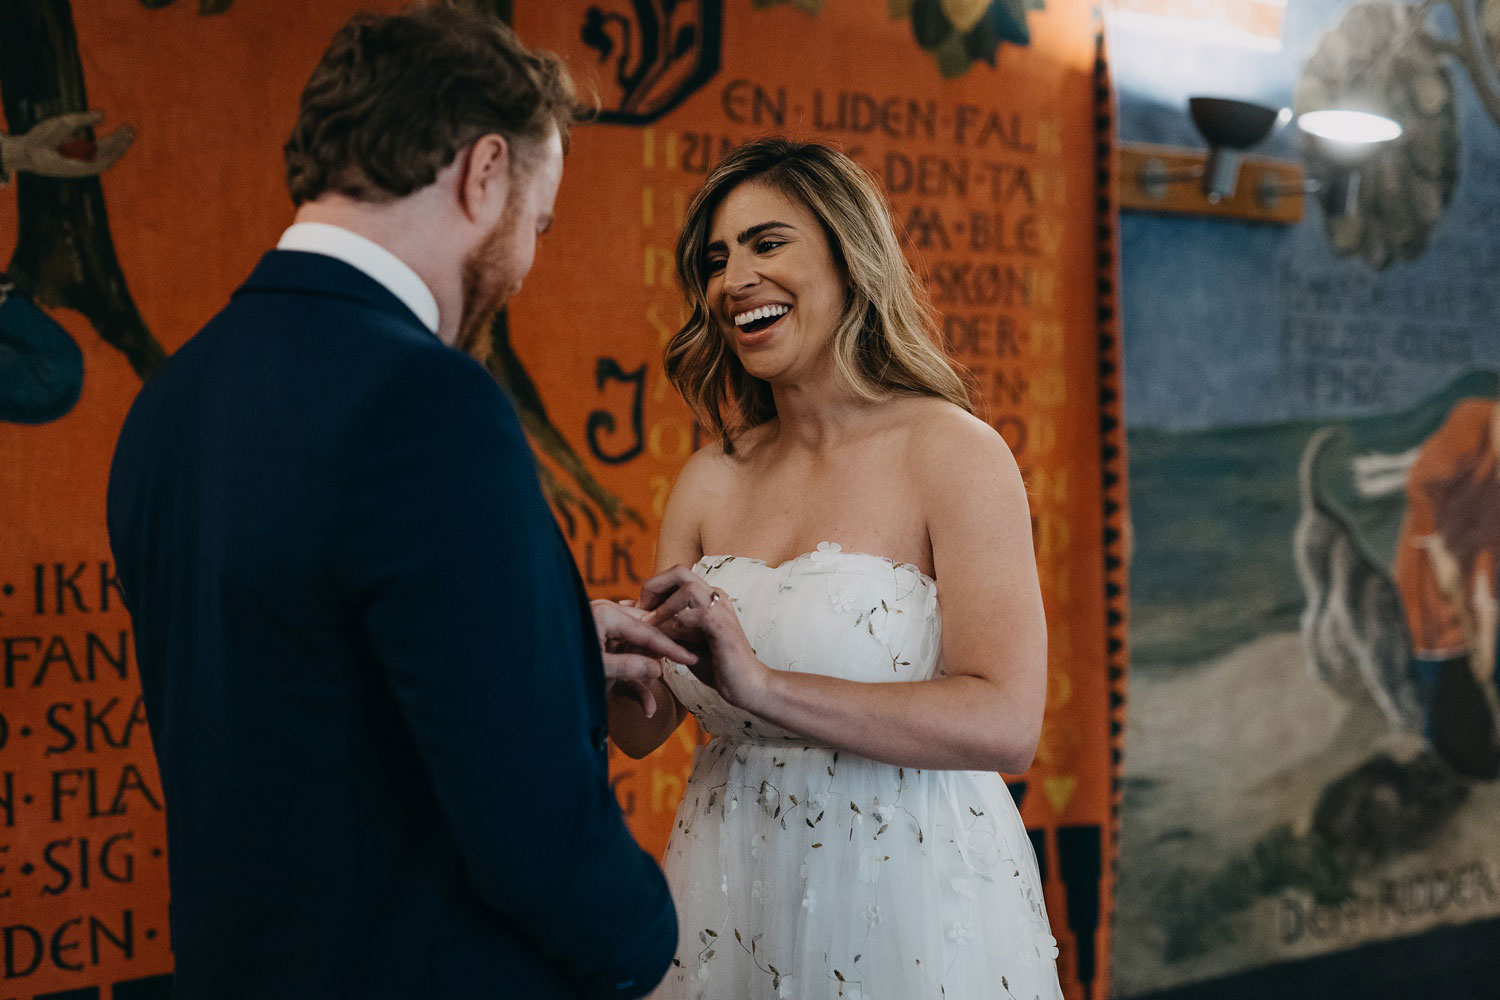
739 273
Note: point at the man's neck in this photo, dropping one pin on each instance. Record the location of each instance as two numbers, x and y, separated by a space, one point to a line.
404 227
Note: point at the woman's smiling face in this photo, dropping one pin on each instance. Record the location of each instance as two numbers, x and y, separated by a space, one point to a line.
774 288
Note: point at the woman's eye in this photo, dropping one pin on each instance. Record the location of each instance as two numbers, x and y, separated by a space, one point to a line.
766 246
715 265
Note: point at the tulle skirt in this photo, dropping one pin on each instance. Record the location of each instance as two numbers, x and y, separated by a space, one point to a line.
806 873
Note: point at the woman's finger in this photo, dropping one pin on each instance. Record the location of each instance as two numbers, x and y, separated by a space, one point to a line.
676 630
699 620
693 593
664 583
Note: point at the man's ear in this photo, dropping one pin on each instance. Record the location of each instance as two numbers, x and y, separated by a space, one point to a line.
484 183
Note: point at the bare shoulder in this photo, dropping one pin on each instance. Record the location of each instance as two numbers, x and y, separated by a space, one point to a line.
679 538
705 477
949 447
710 476
973 498
708 481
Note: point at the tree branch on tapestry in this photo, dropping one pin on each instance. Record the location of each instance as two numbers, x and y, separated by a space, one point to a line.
508 370
506 367
64 255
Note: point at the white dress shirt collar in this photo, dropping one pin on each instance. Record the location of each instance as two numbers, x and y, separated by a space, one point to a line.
367 256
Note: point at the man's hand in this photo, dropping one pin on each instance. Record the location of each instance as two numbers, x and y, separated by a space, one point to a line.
632 650
54 148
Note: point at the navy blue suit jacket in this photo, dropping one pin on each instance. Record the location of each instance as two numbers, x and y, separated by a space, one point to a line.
370 672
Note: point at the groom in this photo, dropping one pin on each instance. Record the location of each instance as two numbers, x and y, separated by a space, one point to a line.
374 686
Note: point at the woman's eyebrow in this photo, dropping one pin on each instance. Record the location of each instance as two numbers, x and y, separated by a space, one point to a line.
756 230
720 246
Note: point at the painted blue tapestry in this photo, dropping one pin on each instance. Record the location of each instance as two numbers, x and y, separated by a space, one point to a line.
1313 741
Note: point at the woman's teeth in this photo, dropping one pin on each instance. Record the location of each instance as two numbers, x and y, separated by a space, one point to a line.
764 312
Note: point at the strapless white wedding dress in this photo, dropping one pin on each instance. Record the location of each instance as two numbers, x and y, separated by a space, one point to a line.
803 872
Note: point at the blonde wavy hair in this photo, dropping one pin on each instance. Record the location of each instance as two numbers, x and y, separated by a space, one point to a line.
886 342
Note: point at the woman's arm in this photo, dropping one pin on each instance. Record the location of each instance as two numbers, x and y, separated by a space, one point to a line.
634 731
986 714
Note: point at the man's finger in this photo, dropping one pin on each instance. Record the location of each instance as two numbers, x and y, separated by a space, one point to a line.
642 695
635 667
610 611
647 637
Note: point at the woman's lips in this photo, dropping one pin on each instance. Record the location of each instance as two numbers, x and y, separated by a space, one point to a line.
757 338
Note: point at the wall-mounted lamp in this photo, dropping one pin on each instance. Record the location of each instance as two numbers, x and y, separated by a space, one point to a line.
1152 176
1229 127
1346 140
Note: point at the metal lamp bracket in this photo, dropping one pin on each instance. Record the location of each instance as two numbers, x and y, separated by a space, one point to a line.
1154 178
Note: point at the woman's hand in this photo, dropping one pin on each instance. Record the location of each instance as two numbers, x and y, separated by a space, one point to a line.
684 606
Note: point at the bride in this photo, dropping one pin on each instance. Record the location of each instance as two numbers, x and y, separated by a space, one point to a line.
854 556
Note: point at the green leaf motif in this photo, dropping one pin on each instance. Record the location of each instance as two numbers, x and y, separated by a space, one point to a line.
1002 22
982 42
952 57
929 24
1007 18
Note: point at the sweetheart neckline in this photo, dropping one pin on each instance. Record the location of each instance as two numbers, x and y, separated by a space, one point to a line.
835 550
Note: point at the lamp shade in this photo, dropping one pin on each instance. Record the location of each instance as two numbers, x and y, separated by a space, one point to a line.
1349 126
1233 124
